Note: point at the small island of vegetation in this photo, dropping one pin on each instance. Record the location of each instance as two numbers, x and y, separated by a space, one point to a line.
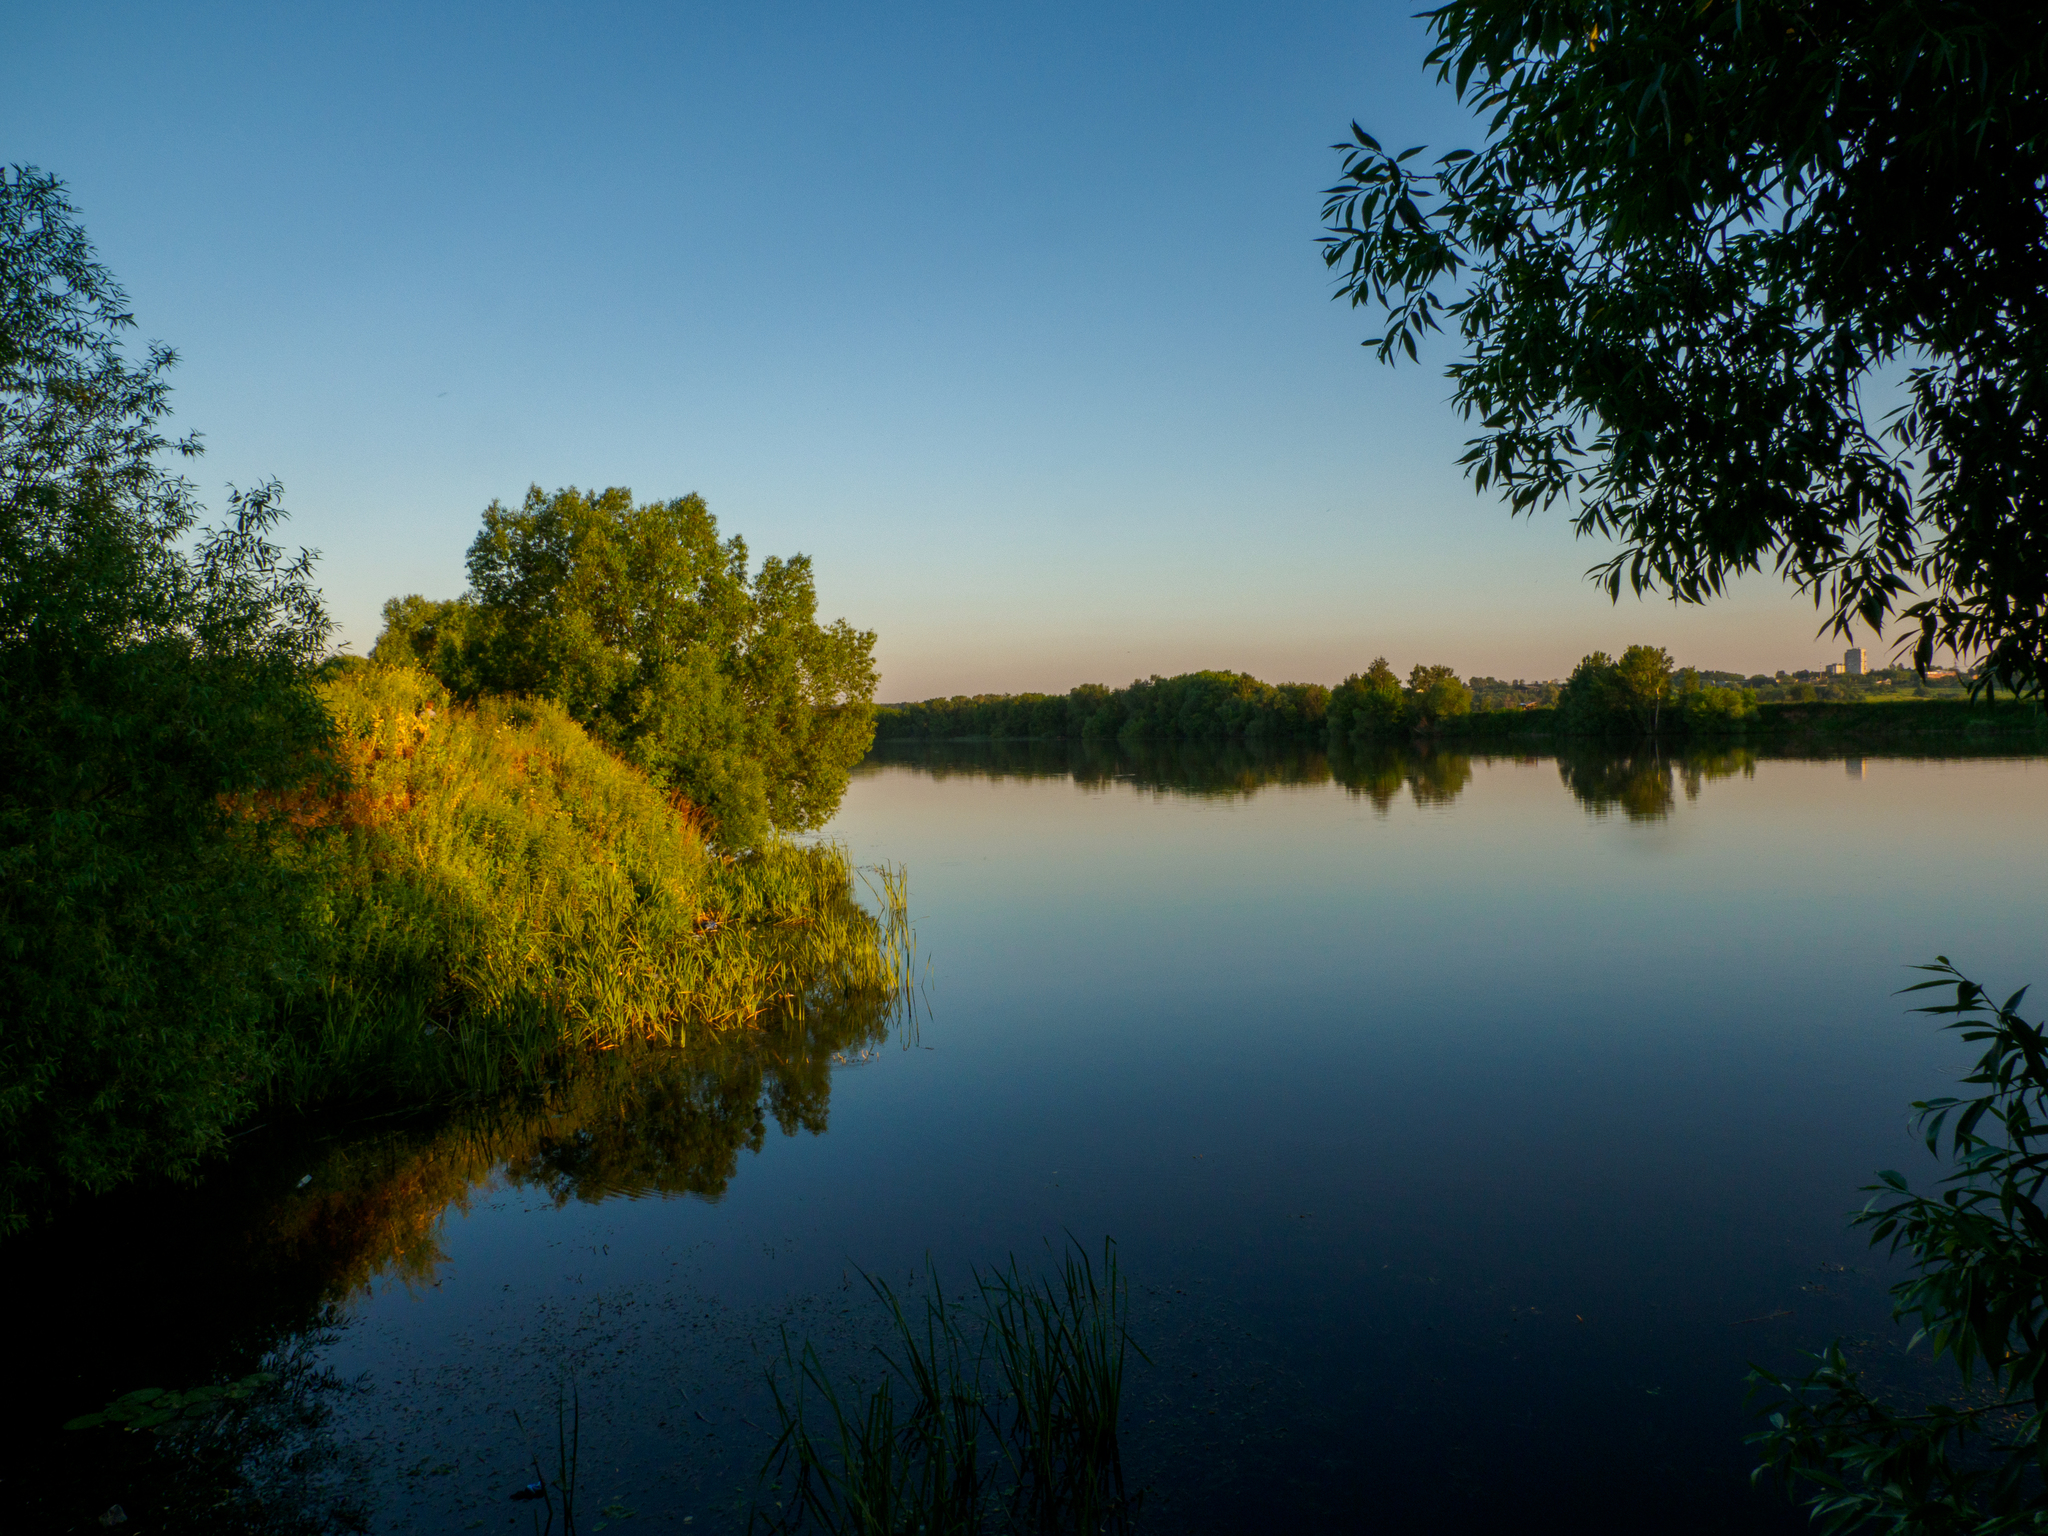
240 876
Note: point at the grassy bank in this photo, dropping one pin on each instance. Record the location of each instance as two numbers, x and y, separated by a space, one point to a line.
491 889
454 901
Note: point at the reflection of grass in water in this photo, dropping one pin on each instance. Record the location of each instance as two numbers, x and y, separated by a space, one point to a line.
632 1120
1007 1419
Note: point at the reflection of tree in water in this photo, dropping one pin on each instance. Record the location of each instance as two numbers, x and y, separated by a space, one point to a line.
1222 769
1644 786
628 1122
1379 773
1205 769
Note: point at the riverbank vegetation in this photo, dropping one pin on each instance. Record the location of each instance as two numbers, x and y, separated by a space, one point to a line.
488 887
236 879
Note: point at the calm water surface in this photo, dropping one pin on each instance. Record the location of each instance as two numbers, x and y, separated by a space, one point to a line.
1465 1126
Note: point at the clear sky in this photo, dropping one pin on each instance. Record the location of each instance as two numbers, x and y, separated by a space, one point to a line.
1011 317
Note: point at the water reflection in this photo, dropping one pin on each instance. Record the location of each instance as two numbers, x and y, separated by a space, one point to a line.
274 1248
1640 785
1379 774
1644 786
1628 1217
627 1123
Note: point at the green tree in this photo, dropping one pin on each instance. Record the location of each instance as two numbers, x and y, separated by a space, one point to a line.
718 681
1693 242
1367 703
1435 694
1640 695
150 692
1644 677
1590 701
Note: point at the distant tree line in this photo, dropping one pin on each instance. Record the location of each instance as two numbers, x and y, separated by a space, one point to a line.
1196 706
1640 694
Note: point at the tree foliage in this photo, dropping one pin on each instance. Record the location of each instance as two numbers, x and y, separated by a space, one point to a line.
717 681
1192 706
1435 694
1698 246
1978 1295
1640 694
149 693
1366 703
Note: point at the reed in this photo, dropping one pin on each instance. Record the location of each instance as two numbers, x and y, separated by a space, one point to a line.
998 1414
568 1446
492 890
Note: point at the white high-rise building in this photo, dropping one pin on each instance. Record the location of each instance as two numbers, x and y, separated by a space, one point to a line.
1852 661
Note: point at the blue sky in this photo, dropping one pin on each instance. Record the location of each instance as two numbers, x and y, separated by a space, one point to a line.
1011 317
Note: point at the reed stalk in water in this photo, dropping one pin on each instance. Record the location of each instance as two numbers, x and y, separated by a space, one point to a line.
996 1415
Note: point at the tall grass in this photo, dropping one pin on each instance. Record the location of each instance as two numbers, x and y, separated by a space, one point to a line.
494 890
998 1414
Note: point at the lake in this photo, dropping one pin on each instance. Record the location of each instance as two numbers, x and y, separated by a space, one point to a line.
1466 1127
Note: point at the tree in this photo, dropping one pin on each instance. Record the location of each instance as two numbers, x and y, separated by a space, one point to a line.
1366 703
149 694
1590 702
1644 677
654 634
1978 1291
1435 694
1695 246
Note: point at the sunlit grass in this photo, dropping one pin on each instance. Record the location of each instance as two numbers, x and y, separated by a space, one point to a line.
495 889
